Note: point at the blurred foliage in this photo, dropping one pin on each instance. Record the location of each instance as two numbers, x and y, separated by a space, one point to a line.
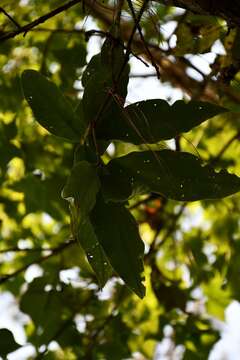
192 250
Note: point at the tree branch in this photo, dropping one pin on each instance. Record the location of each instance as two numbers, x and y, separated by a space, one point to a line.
24 29
10 18
55 251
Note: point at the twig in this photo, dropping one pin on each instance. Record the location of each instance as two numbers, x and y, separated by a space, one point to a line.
142 38
17 249
6 277
173 225
115 39
96 333
10 18
59 332
224 148
170 230
68 322
24 29
130 40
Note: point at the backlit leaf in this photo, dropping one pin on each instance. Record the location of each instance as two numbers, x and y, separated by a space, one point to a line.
82 186
154 120
105 82
118 234
176 175
50 108
81 190
94 251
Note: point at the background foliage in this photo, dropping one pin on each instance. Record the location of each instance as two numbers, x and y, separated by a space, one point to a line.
191 256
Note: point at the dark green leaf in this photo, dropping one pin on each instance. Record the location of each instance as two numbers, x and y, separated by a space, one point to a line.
114 186
176 175
7 343
94 251
93 65
45 306
81 190
50 108
82 187
73 57
117 232
105 83
7 149
154 120
41 194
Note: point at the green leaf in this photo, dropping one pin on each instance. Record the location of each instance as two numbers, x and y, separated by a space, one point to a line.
154 120
105 83
81 191
7 343
114 186
41 194
72 57
93 65
82 187
45 307
94 251
50 108
117 232
176 175
7 149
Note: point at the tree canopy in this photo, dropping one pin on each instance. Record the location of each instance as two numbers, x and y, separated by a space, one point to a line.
129 212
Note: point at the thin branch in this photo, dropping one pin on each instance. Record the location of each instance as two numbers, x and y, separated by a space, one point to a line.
55 337
155 243
68 322
126 59
115 39
17 249
88 34
10 18
24 29
172 71
131 38
35 249
142 38
55 251
97 332
224 148
142 75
